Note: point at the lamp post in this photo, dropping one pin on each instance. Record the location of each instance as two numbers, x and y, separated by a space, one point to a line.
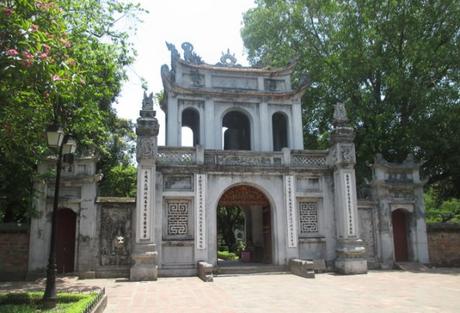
65 145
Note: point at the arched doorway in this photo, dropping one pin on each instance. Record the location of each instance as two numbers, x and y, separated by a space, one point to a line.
236 131
399 219
244 225
65 240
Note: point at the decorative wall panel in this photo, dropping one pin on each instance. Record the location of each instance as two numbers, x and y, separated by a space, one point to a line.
115 236
177 219
290 210
349 204
145 204
308 217
200 211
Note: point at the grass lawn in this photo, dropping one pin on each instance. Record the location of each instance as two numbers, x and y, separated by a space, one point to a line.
31 302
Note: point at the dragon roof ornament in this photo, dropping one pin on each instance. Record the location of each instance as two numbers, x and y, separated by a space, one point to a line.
189 55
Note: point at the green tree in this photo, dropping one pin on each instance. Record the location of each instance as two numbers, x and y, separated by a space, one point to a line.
229 219
441 211
119 181
60 61
395 64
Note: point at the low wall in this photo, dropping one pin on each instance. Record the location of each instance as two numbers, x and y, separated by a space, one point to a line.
14 251
444 244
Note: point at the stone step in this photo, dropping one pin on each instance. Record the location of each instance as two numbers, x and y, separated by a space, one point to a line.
250 269
411 267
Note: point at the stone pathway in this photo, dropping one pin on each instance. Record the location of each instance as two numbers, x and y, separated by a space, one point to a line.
378 291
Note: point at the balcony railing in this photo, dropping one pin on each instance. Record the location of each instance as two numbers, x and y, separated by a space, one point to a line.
185 156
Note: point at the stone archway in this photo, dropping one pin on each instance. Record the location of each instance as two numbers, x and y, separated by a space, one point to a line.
257 221
400 221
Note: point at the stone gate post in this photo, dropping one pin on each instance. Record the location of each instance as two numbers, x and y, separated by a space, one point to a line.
145 264
350 248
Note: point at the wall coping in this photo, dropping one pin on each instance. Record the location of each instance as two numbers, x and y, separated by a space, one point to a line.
447 227
115 200
13 228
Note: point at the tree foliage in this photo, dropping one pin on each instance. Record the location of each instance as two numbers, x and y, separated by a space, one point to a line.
60 61
395 64
229 219
441 211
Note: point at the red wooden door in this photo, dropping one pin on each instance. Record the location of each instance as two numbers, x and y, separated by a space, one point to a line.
65 240
267 229
399 220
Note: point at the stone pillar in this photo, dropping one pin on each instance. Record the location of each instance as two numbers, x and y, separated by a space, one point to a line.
172 123
210 128
297 132
145 263
350 248
264 134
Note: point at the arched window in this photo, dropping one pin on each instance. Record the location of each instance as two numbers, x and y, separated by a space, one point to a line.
237 131
280 138
190 127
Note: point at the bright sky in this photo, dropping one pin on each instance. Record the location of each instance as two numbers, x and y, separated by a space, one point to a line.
211 26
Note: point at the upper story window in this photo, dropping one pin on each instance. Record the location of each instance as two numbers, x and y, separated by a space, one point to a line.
279 128
190 134
236 131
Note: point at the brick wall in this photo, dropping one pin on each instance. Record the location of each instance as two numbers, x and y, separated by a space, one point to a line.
14 251
444 244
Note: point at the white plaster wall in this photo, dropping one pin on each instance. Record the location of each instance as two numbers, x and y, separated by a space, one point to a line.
87 246
39 232
257 226
327 225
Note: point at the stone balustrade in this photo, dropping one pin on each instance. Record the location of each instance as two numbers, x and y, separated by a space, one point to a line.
186 156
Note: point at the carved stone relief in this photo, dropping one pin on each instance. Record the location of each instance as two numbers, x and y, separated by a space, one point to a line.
347 153
115 236
340 114
196 79
145 148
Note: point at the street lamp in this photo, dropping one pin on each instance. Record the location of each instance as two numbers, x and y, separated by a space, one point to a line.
65 145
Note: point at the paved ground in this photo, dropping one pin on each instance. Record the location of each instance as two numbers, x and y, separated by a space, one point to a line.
378 291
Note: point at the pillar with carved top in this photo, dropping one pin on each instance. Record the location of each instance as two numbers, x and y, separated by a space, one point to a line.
350 248
145 264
